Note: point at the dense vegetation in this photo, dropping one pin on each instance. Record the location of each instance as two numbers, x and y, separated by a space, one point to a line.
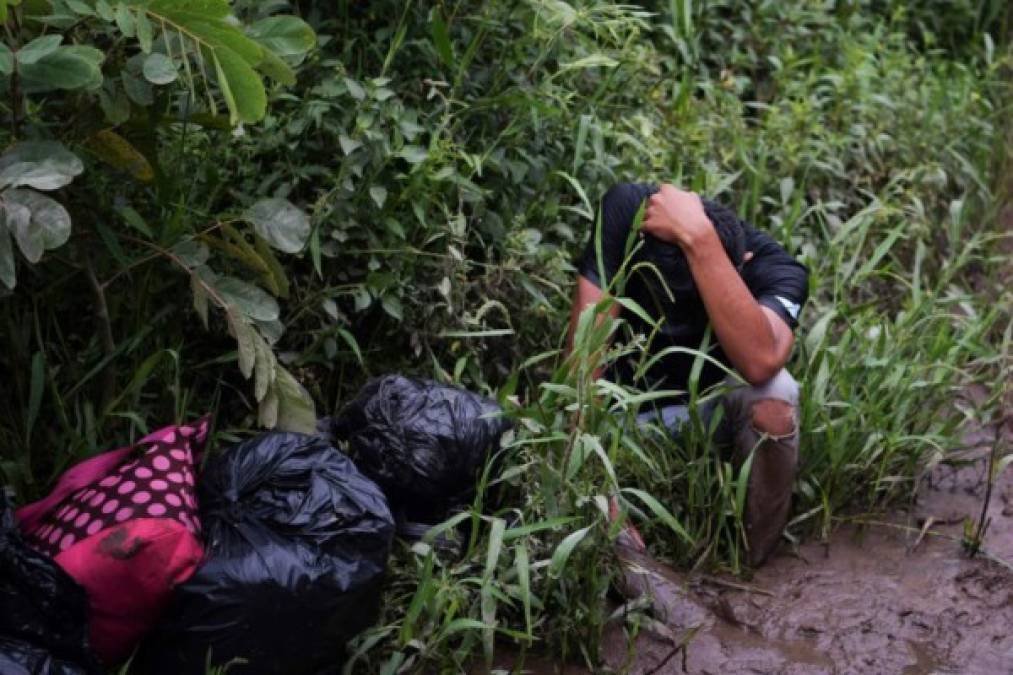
247 218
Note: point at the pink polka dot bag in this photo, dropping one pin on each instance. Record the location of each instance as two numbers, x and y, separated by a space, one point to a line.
124 525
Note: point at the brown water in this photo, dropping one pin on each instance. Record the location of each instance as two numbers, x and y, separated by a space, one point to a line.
876 598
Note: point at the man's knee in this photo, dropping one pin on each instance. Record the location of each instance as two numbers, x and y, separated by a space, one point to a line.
773 417
773 406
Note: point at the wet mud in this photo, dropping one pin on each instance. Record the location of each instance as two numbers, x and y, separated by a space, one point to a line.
894 594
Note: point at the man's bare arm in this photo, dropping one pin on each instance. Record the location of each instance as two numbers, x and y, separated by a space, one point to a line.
585 294
755 339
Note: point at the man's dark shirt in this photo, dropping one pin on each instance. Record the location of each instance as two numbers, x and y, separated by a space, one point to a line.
774 278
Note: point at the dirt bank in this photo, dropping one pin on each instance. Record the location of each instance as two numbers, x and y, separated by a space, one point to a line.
869 602
880 597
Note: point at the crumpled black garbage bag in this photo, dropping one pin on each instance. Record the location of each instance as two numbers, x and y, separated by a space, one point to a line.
43 611
297 542
423 442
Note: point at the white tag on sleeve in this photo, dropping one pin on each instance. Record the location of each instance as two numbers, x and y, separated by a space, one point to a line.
791 307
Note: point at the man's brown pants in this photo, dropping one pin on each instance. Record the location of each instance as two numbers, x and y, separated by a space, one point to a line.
762 420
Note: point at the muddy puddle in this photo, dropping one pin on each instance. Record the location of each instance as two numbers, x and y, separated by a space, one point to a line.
880 597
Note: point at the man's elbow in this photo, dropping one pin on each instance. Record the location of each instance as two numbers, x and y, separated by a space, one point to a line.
758 373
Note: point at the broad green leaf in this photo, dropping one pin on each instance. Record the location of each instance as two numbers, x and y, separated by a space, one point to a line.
125 20
348 146
105 10
159 69
488 599
223 84
1001 466
284 35
115 105
222 37
49 224
742 483
279 71
414 154
548 524
29 239
379 195
203 9
190 252
241 87
447 525
145 34
524 581
43 165
80 7
281 223
200 299
353 344
392 305
591 61
6 60
18 221
440 35
814 336
38 48
35 393
246 339
7 275
139 91
267 411
561 13
132 218
660 512
296 411
247 299
565 548
494 548
271 331
355 89
265 366
459 625
76 67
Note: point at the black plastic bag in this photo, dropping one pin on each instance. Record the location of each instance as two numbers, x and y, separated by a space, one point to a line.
297 542
43 611
423 442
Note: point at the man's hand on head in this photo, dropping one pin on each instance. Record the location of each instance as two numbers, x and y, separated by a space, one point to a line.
677 216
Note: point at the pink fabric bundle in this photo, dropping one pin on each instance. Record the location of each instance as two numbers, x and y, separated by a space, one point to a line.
124 525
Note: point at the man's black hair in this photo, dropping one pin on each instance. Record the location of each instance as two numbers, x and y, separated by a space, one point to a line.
730 228
620 205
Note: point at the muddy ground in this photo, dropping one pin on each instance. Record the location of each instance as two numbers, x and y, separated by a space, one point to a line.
879 597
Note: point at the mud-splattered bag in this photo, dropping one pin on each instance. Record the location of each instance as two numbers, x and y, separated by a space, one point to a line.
124 525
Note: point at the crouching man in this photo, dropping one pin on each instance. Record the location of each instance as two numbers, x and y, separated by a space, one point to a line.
723 274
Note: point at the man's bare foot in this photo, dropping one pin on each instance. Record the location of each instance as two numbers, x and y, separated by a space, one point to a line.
643 576
629 537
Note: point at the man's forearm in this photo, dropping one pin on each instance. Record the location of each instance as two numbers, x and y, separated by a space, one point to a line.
741 325
586 293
